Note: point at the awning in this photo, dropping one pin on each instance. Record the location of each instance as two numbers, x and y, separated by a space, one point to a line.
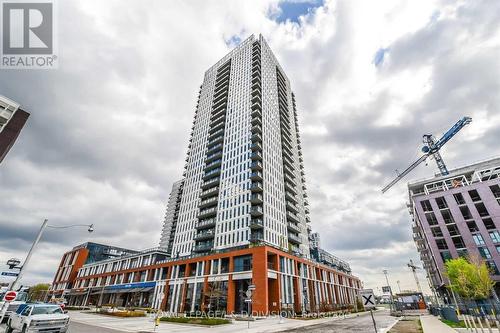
127 290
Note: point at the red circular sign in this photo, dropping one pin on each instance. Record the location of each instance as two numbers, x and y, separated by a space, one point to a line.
10 296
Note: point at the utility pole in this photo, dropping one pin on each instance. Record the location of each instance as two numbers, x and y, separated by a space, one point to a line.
414 270
22 269
390 289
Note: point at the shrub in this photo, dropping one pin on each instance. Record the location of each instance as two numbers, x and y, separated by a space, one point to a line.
199 321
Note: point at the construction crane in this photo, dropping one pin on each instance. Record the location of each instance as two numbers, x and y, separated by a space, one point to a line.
431 149
414 270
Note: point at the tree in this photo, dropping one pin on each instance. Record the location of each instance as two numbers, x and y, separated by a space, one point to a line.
38 292
470 277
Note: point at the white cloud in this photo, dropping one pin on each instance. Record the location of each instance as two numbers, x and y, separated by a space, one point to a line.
109 129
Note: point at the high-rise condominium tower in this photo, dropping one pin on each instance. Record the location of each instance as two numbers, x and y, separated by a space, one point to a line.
244 176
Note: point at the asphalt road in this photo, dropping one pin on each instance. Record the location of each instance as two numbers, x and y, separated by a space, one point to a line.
361 324
84 328
80 328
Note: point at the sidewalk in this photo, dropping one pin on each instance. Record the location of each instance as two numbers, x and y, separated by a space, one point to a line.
431 324
146 324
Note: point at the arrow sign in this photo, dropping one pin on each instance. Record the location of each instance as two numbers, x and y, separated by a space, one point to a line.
9 274
368 298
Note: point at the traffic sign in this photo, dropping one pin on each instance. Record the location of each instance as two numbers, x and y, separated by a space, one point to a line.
10 296
9 274
368 298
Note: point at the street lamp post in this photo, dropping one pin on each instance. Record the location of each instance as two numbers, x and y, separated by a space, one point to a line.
22 268
390 289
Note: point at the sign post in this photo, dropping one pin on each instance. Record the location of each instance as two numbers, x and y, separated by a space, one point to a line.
368 300
9 297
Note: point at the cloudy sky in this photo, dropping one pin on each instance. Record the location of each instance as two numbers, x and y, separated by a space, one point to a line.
109 129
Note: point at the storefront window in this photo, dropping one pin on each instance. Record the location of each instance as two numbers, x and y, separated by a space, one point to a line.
243 263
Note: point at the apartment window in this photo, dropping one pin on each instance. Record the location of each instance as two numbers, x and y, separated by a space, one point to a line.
446 255
498 248
459 198
495 236
472 226
441 202
447 217
453 230
478 239
426 205
431 218
474 195
215 266
462 253
484 252
441 244
437 232
458 242
224 266
481 209
466 213
495 189
493 267
489 224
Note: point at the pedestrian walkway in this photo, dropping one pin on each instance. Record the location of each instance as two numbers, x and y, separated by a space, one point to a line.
431 324
146 324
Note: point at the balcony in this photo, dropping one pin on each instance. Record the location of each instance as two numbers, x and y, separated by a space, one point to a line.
213 157
221 117
257 113
209 212
290 187
256 146
256 224
256 138
288 178
204 247
256 121
256 187
292 238
256 106
204 235
256 79
256 198
256 129
215 149
208 202
256 175
256 156
256 211
217 127
214 134
290 196
213 164
257 165
293 227
206 224
215 141
210 183
211 174
256 237
210 192
291 207
292 217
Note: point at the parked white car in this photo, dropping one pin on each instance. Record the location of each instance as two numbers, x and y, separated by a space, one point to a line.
38 318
